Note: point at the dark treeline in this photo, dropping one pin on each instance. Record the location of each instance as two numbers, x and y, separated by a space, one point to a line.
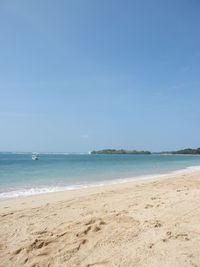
186 151
120 151
189 151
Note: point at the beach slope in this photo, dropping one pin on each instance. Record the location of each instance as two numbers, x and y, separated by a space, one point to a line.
147 223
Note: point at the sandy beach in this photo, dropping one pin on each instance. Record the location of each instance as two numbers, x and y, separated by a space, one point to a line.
146 223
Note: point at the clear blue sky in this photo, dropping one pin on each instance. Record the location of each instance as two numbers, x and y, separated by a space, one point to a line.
82 75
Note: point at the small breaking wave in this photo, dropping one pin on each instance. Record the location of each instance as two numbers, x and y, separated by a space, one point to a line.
38 191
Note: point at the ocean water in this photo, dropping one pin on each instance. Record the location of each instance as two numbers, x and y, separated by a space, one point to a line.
21 176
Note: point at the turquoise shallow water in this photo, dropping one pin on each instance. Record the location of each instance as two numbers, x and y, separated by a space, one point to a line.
21 176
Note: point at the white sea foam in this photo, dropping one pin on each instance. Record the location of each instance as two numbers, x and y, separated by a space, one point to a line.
44 190
38 191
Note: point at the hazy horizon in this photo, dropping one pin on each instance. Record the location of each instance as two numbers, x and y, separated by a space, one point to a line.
86 152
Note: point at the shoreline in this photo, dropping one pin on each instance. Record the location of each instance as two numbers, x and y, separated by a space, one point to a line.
102 187
35 191
150 223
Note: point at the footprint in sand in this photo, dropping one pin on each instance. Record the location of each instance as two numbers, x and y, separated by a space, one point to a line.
25 261
92 221
148 206
85 232
94 225
158 224
97 229
7 214
16 252
38 244
182 236
169 236
154 223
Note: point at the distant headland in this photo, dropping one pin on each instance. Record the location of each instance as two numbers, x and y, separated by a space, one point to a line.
120 151
186 151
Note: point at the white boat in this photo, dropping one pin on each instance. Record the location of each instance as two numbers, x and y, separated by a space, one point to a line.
35 156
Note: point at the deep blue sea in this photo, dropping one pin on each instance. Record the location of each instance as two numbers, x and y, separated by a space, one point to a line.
21 176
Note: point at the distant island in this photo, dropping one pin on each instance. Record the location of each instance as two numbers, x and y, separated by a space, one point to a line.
186 151
120 151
